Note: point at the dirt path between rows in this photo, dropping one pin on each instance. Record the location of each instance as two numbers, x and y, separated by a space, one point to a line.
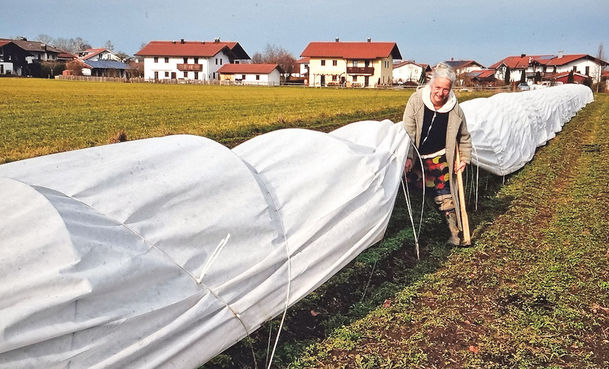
534 289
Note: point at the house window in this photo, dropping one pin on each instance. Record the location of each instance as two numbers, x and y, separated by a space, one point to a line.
220 61
185 74
166 60
156 59
216 61
334 77
156 75
214 75
185 60
323 62
574 69
334 63
355 63
196 60
243 76
588 70
196 75
354 78
167 74
257 77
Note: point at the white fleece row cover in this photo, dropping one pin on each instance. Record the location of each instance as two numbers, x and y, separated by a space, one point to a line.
507 128
161 253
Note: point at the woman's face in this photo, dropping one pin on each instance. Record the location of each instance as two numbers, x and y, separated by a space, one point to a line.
440 89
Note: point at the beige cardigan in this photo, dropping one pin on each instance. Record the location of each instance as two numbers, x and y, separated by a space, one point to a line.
455 131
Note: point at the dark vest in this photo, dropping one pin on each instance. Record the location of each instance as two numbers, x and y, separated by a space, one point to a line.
433 132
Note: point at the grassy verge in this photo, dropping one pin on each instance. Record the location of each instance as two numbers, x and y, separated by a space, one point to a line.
532 292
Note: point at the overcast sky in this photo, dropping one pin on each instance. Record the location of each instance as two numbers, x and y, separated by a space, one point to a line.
427 31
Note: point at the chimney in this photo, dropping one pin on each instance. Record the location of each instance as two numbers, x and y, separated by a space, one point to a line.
217 40
561 53
181 40
523 55
369 39
337 39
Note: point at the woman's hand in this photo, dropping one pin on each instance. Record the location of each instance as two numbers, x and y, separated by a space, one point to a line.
408 165
460 166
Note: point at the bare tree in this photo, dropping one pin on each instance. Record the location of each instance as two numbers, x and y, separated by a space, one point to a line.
273 54
601 58
73 45
45 39
108 45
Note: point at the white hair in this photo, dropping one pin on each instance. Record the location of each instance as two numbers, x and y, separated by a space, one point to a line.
443 70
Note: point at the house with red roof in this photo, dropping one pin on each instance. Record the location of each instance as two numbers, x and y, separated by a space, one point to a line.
251 74
189 60
463 66
408 72
303 68
481 77
98 54
548 67
351 64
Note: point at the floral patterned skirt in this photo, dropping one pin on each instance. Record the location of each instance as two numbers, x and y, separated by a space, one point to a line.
437 176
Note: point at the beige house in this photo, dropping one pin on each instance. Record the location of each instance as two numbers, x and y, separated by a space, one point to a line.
351 64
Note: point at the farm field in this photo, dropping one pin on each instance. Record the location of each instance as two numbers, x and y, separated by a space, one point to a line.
533 290
46 116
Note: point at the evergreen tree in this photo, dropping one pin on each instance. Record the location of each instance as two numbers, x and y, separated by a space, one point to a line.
507 75
570 78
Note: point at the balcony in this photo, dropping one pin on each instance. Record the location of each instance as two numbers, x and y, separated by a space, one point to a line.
360 70
190 67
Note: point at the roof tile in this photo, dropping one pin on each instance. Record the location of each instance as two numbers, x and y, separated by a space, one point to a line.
352 50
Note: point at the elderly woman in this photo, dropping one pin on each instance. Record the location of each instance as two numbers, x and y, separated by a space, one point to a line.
436 125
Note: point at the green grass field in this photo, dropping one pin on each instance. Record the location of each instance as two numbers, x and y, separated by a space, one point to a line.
46 116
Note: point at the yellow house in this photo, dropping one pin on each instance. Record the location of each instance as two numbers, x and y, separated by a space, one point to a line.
351 64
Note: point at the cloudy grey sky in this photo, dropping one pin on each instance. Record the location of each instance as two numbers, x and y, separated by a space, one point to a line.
427 31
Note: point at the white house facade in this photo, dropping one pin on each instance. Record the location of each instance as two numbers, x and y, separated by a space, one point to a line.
251 74
98 54
189 60
408 72
351 64
548 66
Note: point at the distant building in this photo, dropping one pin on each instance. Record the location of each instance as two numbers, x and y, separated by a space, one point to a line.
303 67
251 74
410 73
548 66
463 66
23 58
351 64
98 54
105 68
481 77
189 60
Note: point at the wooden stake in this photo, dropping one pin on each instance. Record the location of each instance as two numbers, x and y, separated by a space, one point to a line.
464 220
